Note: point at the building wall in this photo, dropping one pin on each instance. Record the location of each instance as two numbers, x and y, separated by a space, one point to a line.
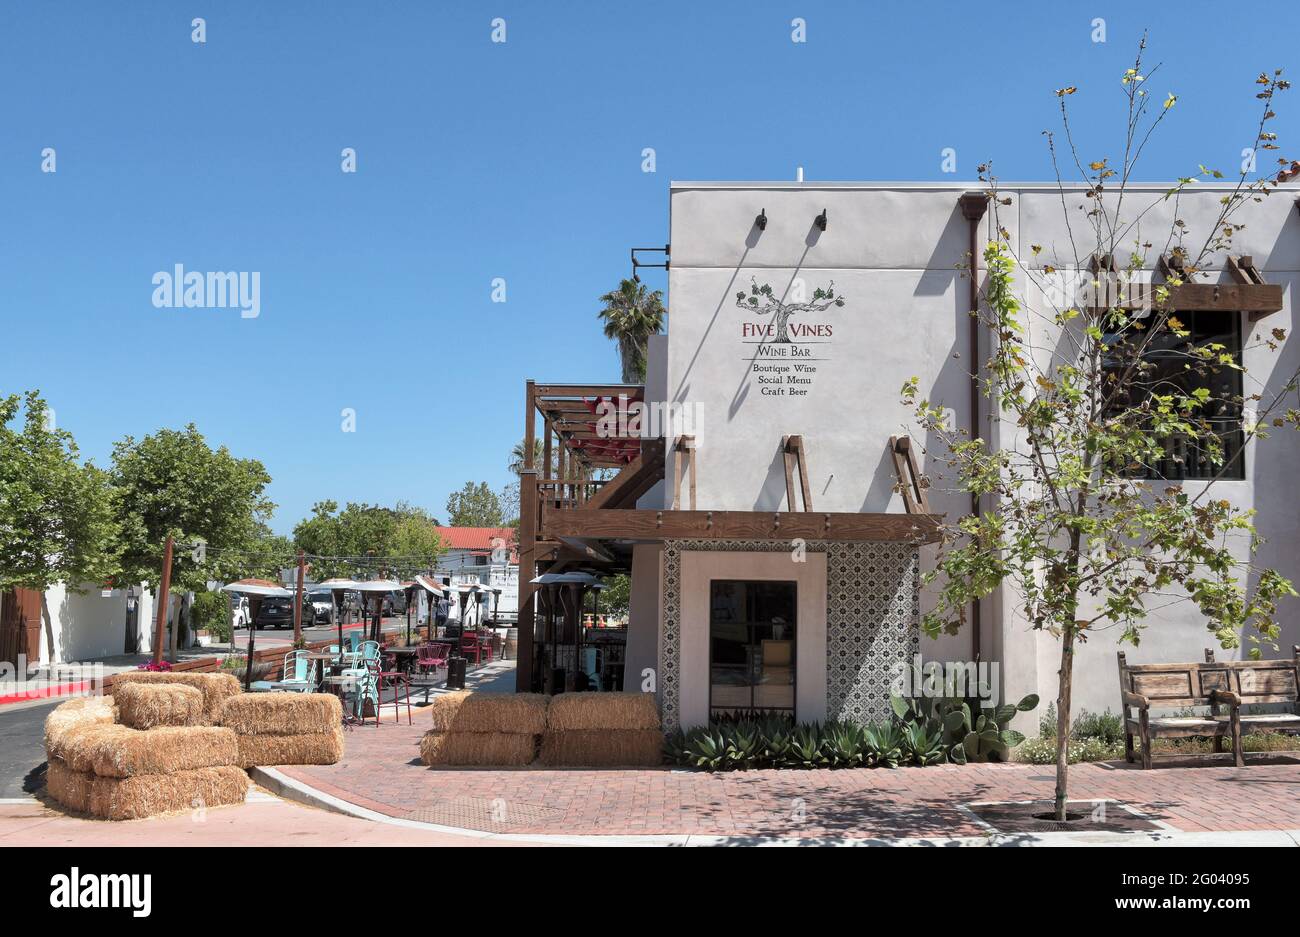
88 626
856 629
894 252
643 616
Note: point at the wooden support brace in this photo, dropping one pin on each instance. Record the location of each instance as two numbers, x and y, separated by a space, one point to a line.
684 449
796 457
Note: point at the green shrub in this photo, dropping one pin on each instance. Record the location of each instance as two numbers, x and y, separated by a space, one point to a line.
1047 722
211 612
1107 726
775 741
1042 751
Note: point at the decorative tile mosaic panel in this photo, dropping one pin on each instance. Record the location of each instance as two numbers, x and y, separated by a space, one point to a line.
872 616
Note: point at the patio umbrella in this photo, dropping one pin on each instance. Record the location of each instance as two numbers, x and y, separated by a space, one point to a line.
377 588
337 587
256 590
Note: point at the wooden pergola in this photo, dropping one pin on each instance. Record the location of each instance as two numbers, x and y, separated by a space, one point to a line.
572 521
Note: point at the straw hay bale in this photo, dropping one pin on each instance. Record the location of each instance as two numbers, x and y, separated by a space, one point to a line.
602 748
314 748
445 709
578 711
85 710
146 705
147 795
116 751
67 787
515 713
215 687
287 714
480 749
81 745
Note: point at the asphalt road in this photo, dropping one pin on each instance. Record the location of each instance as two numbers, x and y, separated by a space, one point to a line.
22 748
22 726
268 636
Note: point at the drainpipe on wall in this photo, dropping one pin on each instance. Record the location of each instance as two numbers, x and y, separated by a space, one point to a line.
973 205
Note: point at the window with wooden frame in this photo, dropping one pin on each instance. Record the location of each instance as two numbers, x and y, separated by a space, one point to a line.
1169 364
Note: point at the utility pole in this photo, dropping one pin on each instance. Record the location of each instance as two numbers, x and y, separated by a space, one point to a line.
163 590
297 605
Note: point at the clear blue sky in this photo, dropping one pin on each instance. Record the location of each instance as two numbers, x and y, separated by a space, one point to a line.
477 160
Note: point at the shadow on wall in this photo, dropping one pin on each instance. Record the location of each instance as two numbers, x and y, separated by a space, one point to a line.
1271 465
742 389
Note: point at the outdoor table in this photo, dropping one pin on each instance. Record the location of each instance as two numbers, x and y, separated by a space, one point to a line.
339 685
320 657
403 656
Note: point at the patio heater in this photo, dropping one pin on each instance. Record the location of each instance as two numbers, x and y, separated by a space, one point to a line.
338 589
255 590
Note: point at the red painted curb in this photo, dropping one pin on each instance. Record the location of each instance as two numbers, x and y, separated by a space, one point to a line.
62 689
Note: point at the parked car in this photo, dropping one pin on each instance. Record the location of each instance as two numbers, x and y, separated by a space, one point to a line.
238 612
278 613
322 607
395 603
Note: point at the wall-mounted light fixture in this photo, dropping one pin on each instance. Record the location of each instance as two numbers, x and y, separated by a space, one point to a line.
666 250
820 220
760 220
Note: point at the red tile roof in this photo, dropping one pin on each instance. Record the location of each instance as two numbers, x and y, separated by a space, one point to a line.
475 538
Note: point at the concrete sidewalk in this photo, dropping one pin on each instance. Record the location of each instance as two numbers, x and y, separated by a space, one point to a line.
262 821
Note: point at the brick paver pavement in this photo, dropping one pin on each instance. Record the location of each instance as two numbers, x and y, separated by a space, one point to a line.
382 771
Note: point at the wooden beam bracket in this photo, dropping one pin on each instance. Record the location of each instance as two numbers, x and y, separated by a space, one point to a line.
796 457
907 468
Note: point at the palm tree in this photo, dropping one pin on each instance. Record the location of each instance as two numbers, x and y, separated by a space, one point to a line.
517 456
631 315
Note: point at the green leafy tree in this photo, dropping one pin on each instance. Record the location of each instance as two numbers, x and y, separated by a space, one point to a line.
474 506
57 518
1078 525
631 315
616 598
173 482
368 540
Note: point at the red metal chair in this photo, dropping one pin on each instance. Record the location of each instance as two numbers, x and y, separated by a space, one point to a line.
429 657
395 679
470 646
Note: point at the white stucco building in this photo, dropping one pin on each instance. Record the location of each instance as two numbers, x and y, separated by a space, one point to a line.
725 613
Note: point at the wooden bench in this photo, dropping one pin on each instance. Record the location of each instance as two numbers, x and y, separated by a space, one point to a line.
1227 684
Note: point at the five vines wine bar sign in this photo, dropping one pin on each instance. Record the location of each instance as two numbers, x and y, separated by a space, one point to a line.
785 356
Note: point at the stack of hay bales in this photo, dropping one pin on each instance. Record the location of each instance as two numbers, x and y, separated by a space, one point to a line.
158 758
285 728
484 729
215 687
602 730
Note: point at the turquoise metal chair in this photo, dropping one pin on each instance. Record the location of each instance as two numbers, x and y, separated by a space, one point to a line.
297 673
350 654
366 688
367 653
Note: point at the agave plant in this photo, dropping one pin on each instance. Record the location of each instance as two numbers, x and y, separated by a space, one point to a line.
706 748
805 749
884 743
844 745
923 745
744 747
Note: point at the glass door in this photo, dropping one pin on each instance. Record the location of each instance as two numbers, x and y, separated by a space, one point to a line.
751 646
